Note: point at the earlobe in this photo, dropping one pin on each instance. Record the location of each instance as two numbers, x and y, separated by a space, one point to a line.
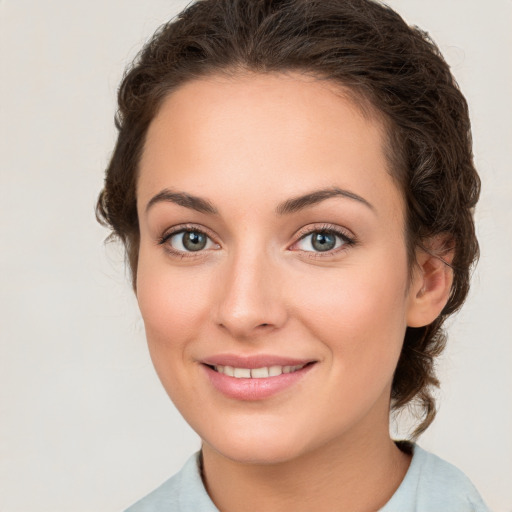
431 284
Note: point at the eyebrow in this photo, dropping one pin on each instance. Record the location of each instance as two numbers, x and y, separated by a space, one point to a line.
183 199
292 205
298 203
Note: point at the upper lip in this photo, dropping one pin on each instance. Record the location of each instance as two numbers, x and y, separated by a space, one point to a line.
253 361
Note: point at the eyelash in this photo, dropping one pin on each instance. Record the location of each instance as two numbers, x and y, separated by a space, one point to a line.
347 241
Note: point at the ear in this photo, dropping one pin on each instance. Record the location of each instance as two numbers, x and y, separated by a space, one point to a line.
432 281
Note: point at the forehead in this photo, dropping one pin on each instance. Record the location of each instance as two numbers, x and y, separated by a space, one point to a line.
268 134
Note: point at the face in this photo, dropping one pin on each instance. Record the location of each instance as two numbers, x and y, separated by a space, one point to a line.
272 275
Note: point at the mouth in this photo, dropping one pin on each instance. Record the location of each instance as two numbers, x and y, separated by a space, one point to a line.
255 378
257 373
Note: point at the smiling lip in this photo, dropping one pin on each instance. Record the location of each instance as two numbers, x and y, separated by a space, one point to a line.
247 388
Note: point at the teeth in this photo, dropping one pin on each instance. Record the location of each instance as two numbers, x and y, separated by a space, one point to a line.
257 373
274 371
242 373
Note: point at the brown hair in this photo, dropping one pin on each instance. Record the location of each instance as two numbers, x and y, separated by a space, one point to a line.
359 44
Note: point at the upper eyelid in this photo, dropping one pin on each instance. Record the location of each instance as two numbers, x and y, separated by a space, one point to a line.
327 228
186 227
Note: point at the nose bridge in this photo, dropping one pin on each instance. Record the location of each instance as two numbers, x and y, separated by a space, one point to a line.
250 298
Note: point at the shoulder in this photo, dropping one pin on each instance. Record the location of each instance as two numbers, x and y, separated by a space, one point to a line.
184 492
432 484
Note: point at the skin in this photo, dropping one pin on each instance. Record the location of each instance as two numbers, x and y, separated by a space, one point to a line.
246 144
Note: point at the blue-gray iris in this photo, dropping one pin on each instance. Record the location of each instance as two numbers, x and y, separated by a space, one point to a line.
194 241
323 241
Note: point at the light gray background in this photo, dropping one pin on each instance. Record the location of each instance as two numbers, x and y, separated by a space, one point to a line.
84 423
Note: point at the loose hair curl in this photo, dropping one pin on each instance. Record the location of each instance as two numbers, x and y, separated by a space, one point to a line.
361 45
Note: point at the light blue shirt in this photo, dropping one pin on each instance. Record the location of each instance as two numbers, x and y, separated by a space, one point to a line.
430 485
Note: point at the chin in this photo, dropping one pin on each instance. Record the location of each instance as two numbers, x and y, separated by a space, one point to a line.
256 447
257 454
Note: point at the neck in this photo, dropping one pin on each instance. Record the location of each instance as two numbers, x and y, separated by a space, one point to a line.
347 474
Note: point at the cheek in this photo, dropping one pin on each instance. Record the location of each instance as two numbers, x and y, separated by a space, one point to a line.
360 315
173 304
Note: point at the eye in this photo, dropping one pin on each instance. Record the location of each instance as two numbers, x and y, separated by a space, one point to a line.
187 240
323 240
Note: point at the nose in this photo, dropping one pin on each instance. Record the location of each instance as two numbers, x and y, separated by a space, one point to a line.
250 296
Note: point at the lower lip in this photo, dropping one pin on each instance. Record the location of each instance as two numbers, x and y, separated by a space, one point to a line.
254 389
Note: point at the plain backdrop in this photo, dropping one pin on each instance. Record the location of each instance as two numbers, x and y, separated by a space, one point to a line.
84 422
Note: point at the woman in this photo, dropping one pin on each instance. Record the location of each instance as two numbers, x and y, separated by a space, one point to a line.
293 182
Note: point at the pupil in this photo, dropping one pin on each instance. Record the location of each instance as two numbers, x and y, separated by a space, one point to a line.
324 241
194 241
